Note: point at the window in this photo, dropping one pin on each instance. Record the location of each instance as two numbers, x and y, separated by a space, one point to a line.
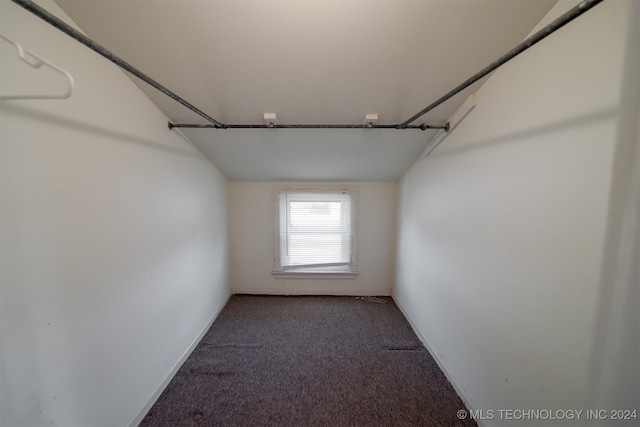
315 232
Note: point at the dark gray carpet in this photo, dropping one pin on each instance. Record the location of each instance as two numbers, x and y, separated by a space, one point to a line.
308 361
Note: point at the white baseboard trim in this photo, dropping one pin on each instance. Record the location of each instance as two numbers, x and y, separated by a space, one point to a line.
138 416
443 367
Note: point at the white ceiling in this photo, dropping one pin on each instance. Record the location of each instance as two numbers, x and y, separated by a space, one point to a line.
311 62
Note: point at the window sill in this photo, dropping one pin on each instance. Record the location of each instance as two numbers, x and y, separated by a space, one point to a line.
298 275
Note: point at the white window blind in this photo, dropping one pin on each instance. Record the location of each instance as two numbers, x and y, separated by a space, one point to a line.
316 231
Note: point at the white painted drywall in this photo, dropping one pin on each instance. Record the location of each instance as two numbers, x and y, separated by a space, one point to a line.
504 228
251 221
114 240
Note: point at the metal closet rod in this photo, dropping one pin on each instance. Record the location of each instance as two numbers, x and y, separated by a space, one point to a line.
72 32
526 44
564 19
560 22
215 124
308 126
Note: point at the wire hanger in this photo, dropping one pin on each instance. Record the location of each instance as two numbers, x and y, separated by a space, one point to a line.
35 61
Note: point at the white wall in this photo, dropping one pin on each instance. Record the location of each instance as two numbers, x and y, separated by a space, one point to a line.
505 228
251 222
114 240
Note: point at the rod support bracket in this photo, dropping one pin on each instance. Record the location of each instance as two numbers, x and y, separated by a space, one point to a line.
170 126
447 126
401 126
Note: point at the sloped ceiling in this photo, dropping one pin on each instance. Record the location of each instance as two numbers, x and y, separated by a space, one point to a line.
311 62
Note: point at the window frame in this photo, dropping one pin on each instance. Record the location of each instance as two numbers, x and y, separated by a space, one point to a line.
278 272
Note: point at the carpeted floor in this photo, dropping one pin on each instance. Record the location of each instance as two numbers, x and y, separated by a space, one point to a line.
308 361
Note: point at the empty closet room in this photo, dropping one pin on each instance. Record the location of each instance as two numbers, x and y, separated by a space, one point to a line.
163 160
